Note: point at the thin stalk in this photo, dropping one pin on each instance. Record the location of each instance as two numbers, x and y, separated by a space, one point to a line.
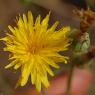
68 92
44 91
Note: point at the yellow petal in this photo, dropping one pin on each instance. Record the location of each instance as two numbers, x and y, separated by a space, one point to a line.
44 24
45 67
25 20
45 81
12 29
38 83
53 27
33 75
11 64
48 69
50 62
26 70
17 66
20 23
30 18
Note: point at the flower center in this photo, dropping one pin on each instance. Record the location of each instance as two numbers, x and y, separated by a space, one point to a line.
34 49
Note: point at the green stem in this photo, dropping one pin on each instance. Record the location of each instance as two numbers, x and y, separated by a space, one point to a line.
68 92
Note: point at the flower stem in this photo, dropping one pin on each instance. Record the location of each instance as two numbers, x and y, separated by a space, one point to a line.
68 92
44 91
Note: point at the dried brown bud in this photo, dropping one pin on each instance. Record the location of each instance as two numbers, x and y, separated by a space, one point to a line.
87 18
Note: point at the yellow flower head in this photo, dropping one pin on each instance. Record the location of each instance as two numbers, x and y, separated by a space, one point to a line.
35 48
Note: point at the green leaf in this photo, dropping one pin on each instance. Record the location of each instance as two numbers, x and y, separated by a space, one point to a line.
26 2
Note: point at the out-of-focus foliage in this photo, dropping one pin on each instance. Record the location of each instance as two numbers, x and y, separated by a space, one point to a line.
91 3
78 3
26 2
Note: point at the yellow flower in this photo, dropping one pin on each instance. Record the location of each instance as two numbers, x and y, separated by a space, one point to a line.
35 48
